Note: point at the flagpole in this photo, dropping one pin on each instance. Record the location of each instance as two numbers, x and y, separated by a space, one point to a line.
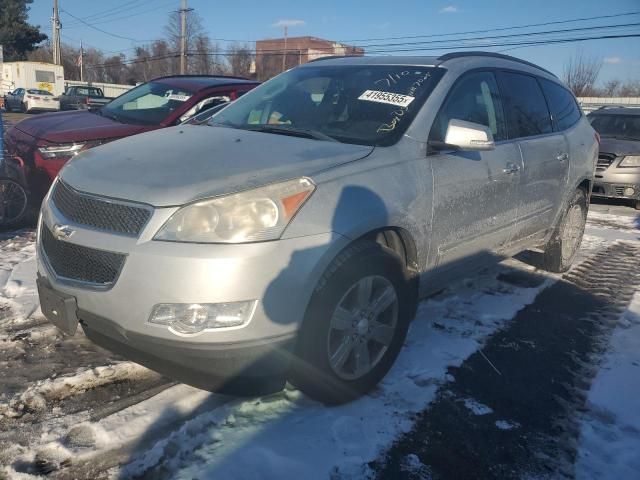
81 62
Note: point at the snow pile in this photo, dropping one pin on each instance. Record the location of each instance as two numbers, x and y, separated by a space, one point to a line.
35 397
610 430
18 290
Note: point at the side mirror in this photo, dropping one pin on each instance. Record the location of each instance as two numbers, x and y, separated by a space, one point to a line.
468 136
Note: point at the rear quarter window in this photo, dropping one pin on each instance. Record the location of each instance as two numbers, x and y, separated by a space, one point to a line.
564 109
526 107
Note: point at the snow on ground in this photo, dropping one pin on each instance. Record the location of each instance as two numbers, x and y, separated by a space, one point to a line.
185 433
288 435
18 276
610 430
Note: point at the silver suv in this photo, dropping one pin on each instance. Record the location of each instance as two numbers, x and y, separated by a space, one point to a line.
292 236
618 169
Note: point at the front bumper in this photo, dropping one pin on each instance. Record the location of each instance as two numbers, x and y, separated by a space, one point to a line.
616 190
50 106
280 275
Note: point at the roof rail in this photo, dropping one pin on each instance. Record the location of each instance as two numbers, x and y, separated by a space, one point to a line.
231 77
332 57
450 56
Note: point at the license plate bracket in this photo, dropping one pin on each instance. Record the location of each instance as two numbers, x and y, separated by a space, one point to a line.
59 308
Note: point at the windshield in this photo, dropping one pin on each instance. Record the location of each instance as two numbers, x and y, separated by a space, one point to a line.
147 104
367 105
619 126
38 92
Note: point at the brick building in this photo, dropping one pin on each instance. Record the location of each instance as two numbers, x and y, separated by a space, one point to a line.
299 50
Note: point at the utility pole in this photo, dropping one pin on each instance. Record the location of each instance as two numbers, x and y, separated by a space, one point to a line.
55 37
284 53
183 37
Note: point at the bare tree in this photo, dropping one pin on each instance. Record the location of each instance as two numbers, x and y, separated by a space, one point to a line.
240 58
611 87
173 34
581 73
207 58
630 89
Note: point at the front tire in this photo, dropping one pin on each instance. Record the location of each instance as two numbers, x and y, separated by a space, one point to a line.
14 202
636 205
565 241
355 325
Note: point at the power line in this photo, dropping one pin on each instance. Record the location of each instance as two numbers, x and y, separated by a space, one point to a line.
117 10
470 32
547 32
124 17
104 31
527 43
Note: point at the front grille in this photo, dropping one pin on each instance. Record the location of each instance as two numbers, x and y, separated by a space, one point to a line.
99 213
604 161
619 191
82 264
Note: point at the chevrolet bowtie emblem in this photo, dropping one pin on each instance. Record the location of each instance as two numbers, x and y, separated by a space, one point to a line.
62 232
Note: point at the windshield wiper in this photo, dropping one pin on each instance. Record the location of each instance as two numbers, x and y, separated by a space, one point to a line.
110 117
294 132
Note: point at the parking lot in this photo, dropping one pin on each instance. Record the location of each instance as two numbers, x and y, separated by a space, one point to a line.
509 373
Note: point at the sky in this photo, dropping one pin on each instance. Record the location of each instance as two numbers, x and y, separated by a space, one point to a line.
356 21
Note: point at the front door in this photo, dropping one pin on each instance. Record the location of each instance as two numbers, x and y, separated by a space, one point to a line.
475 193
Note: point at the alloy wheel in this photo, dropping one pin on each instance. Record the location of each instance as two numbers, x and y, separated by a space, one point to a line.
362 327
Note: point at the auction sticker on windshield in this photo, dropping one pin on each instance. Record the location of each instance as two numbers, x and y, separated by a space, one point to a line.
179 98
387 97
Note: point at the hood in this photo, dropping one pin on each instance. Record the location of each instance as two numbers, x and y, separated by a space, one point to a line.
618 147
177 165
76 126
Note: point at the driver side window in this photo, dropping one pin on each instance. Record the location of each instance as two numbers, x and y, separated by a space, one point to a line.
474 98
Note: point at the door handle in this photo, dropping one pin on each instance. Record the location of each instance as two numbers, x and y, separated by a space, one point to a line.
511 168
562 157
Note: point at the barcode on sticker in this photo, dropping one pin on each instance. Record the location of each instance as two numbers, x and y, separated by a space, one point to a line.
179 98
387 97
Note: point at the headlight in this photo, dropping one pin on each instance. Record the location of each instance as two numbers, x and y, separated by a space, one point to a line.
252 216
65 151
630 161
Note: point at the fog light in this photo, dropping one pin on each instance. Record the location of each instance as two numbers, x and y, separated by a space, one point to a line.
629 192
185 318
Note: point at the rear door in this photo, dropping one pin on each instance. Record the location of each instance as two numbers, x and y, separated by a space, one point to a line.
475 193
545 153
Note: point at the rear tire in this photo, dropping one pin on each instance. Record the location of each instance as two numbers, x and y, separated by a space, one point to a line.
355 324
24 108
565 241
14 203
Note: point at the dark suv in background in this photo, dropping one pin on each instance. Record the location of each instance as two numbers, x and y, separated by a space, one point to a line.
618 169
38 147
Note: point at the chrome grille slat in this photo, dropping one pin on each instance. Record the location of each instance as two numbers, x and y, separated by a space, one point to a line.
80 264
604 161
102 214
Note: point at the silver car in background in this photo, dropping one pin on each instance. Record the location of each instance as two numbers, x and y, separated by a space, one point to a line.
618 169
293 237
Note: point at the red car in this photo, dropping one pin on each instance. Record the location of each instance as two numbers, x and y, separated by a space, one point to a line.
38 147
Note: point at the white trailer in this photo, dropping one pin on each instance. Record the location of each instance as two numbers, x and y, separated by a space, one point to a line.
39 75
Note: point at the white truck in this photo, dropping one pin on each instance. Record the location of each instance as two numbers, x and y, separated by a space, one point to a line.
32 75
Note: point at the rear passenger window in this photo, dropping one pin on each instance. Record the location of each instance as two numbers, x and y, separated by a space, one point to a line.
527 112
474 98
564 110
